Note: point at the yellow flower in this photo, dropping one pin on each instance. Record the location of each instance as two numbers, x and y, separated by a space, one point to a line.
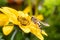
24 22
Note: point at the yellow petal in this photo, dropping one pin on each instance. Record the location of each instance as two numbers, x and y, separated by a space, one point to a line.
43 32
7 30
3 19
36 31
21 13
25 29
12 16
40 17
27 9
12 10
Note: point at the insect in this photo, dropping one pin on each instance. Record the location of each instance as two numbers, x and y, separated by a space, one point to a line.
38 22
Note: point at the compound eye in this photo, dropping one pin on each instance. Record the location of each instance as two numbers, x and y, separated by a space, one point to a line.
33 19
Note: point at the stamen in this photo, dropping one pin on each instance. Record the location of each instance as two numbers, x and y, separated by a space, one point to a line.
23 21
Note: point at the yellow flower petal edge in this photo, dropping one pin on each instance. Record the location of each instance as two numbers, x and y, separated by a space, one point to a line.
27 9
21 13
7 29
12 17
4 20
12 11
43 32
25 29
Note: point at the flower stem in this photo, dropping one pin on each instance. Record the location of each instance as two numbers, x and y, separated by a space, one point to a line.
36 8
13 35
30 4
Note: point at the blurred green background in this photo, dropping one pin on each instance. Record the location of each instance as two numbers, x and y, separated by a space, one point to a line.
51 12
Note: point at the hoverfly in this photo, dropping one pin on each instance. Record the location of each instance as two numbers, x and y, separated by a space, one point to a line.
38 22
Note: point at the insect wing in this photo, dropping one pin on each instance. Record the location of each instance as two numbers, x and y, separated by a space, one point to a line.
45 24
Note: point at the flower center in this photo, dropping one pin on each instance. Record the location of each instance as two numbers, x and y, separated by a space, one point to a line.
23 21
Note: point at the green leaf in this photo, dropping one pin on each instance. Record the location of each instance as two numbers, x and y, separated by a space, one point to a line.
33 37
19 36
1 35
3 2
